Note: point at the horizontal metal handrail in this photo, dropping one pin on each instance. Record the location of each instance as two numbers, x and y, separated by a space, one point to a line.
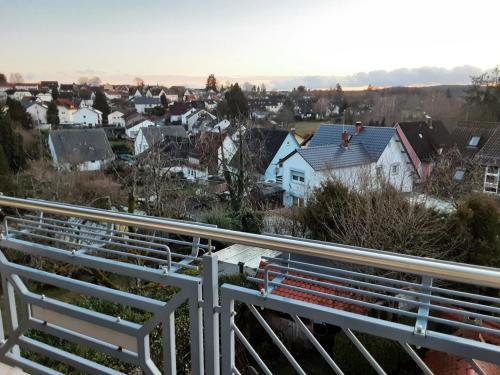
443 270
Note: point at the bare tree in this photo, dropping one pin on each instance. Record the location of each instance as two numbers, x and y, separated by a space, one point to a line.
16 78
138 81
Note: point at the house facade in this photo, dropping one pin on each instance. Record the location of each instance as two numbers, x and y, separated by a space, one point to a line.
362 158
80 149
134 127
142 103
116 118
38 113
87 116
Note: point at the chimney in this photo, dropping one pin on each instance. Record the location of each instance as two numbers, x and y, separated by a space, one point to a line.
345 139
359 127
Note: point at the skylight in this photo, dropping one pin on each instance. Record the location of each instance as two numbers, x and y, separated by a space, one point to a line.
459 175
474 141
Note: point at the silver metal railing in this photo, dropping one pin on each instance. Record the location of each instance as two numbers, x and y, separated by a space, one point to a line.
444 270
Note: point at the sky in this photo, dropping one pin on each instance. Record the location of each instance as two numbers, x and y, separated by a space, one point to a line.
281 42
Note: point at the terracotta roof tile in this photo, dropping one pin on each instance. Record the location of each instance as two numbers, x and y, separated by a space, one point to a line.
312 298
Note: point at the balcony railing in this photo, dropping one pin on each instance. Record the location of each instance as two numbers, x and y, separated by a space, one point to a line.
416 302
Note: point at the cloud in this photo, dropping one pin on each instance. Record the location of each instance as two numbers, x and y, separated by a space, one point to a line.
399 77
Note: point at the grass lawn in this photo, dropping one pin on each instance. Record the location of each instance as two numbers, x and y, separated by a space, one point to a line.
305 127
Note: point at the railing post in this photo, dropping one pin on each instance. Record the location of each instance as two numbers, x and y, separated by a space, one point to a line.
210 313
423 311
227 335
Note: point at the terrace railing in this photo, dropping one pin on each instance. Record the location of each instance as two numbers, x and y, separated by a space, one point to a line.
416 302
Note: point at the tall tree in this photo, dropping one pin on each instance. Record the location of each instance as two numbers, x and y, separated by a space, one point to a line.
211 83
55 93
138 81
236 103
164 101
101 104
53 114
483 96
3 79
12 144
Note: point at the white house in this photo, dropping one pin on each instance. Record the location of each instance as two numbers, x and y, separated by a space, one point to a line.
179 112
116 118
65 110
171 95
112 95
274 107
195 116
150 136
87 116
134 127
38 113
19 95
360 157
80 149
142 103
44 97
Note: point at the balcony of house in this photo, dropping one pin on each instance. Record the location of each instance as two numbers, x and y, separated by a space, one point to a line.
94 291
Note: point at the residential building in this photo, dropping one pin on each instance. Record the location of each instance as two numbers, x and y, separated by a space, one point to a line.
179 112
66 108
201 118
480 142
38 112
80 149
424 141
87 116
265 148
150 136
134 127
116 118
143 103
44 97
359 157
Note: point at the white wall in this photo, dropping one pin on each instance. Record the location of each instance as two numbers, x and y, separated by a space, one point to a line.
133 131
87 116
65 115
289 144
140 143
116 118
38 113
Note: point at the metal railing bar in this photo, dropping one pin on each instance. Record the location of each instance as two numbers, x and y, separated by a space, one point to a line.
236 371
99 291
64 231
78 237
275 339
252 351
465 313
100 249
364 351
380 307
100 263
385 260
67 358
80 339
317 345
416 358
387 280
341 299
28 365
140 235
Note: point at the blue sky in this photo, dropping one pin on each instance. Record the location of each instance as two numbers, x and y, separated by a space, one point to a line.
246 39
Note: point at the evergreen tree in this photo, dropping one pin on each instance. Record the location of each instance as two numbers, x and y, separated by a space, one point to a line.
164 101
53 114
3 79
55 93
101 104
235 103
12 144
211 83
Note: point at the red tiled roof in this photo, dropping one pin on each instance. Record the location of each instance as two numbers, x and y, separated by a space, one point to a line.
65 102
471 334
312 298
448 364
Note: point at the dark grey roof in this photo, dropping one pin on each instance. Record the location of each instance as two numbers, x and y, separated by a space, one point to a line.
374 138
76 146
334 156
426 138
156 134
464 132
490 152
146 100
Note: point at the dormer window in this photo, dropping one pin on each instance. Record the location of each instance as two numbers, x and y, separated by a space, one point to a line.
474 141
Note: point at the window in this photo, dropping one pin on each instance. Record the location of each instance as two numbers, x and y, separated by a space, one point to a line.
459 175
298 177
380 171
473 141
297 201
395 169
492 170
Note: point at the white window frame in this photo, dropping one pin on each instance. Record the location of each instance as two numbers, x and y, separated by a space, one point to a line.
300 177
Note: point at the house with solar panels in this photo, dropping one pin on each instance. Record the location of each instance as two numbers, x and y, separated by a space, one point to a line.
360 157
